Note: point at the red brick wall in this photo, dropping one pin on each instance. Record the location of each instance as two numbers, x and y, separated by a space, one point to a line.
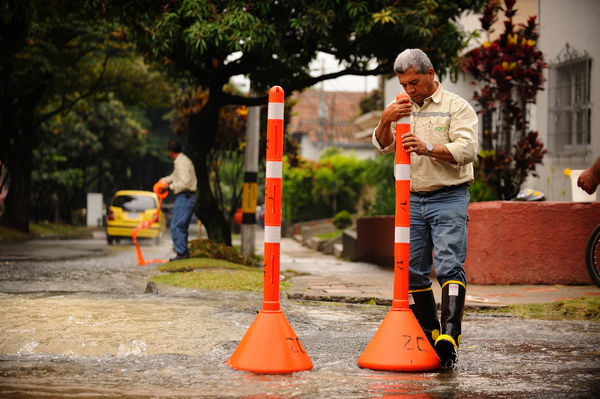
375 240
509 242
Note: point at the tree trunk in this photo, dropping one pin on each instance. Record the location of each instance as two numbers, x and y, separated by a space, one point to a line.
203 128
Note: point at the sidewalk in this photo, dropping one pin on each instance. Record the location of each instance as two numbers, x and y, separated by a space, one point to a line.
316 276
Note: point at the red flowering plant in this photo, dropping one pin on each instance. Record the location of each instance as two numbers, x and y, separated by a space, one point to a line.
510 71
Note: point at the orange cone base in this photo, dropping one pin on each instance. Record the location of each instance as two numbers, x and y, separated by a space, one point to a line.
270 346
399 345
148 262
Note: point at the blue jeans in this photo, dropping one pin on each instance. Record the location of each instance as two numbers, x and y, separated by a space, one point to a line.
182 214
438 223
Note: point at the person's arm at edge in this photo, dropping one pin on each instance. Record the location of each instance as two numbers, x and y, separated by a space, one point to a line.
590 178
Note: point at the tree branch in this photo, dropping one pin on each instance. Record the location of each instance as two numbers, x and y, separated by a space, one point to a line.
93 88
299 85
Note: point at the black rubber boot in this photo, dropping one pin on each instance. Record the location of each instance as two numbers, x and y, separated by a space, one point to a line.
453 306
423 307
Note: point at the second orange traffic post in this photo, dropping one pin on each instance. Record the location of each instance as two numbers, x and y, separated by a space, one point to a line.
270 345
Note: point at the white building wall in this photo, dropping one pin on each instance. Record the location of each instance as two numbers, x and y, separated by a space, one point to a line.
308 149
570 22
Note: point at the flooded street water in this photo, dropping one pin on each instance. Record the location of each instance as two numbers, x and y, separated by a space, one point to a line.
84 327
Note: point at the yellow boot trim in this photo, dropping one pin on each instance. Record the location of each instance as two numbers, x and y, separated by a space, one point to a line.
447 338
454 282
421 290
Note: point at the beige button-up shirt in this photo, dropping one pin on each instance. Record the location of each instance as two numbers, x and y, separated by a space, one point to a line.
445 118
183 177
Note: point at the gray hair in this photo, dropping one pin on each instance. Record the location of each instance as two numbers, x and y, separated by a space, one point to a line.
412 58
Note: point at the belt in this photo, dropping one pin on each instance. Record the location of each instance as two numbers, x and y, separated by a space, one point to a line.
187 193
441 190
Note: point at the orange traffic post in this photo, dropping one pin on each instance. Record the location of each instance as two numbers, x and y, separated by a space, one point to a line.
270 345
161 189
400 343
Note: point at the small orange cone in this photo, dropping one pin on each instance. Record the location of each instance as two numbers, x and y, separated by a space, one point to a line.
161 189
399 345
270 346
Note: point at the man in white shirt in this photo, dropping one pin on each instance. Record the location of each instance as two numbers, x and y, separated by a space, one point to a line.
183 184
442 145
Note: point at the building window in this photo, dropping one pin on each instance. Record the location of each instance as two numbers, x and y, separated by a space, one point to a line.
569 102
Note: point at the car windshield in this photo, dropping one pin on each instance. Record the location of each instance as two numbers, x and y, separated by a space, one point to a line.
134 203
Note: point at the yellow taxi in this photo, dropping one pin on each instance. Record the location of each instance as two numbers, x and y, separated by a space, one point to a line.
128 209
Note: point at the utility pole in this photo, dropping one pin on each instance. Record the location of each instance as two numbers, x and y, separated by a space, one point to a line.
249 193
322 111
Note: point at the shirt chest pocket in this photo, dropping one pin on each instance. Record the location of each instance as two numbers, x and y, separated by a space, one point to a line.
437 128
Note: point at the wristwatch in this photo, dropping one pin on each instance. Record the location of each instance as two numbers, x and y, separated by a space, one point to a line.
429 149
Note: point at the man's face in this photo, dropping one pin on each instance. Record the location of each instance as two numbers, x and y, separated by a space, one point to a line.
417 85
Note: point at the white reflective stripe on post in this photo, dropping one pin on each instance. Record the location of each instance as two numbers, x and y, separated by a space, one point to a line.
401 235
405 120
274 170
273 234
402 171
275 111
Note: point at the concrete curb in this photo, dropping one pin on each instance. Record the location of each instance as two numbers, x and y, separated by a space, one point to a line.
368 300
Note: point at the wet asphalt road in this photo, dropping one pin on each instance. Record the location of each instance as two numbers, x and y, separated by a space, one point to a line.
176 343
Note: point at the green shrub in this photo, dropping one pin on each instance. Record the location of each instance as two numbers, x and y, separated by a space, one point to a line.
380 173
342 219
317 190
480 191
201 248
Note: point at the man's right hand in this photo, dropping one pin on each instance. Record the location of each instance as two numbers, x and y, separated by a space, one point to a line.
588 180
396 110
392 113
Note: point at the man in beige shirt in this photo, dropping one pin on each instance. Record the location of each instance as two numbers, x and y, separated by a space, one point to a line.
183 184
442 144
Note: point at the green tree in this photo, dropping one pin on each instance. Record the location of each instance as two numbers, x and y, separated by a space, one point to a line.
380 173
96 142
273 43
339 181
53 55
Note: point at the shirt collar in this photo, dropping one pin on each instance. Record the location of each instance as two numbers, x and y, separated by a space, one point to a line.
436 97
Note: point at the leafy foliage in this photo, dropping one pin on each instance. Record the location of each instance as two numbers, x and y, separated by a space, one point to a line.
342 220
381 175
197 37
318 190
90 141
298 204
511 72
63 55
480 190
